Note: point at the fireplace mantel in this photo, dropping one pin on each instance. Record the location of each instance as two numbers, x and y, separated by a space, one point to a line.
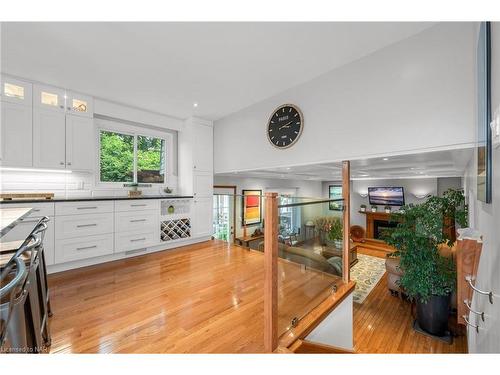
370 220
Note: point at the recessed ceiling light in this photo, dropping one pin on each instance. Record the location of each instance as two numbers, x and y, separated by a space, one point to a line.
385 159
288 168
195 104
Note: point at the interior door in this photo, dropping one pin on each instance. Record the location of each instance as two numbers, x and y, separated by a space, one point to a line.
224 213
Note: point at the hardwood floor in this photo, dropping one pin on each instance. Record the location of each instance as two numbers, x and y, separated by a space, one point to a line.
204 298
383 324
207 298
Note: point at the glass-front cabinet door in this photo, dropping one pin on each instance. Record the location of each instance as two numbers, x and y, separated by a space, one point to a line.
49 97
15 91
78 104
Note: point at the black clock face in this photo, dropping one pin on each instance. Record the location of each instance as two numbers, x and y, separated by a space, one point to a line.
285 126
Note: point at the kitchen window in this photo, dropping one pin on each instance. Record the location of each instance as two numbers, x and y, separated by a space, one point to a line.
126 158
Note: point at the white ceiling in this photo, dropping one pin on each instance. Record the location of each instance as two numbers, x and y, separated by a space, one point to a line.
166 67
449 163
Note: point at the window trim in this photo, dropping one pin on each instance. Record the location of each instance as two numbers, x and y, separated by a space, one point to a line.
135 131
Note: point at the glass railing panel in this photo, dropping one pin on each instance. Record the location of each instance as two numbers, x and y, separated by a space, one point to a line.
310 247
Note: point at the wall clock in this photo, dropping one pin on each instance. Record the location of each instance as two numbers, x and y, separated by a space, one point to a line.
285 126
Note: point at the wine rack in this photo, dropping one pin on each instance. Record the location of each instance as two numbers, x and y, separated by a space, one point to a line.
175 229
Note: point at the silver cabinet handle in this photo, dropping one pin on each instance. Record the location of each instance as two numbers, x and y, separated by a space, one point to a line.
469 324
86 247
138 239
61 106
61 163
36 210
69 163
86 225
138 205
480 313
87 208
469 279
137 220
68 108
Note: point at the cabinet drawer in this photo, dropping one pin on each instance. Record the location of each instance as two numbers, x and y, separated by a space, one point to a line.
142 221
83 225
137 204
71 249
81 208
126 242
39 209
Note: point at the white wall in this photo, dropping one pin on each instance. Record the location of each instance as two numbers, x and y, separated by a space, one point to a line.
486 219
414 95
337 328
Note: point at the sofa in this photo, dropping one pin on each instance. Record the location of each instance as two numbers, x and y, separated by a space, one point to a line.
309 258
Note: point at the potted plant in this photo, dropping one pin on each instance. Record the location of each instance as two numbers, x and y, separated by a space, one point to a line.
387 209
362 208
428 277
334 235
374 208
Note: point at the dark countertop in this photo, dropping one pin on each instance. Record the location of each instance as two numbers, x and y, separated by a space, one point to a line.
83 199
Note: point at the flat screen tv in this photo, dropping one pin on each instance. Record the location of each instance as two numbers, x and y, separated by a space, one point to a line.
386 196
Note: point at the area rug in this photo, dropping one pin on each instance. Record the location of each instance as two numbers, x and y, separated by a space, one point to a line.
367 273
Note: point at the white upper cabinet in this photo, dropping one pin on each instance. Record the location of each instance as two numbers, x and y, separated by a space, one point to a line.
49 138
16 137
50 98
80 143
16 91
78 104
203 148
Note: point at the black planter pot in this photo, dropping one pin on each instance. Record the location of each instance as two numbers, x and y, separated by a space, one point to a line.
432 316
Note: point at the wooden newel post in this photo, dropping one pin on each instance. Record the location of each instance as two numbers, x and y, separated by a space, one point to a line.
346 196
271 272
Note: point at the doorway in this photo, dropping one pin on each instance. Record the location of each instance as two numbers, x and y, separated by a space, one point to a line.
224 217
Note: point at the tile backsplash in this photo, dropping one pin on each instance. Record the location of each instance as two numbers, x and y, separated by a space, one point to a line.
65 185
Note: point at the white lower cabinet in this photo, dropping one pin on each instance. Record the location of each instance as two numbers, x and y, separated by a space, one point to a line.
71 249
83 230
137 224
143 221
83 225
134 241
202 217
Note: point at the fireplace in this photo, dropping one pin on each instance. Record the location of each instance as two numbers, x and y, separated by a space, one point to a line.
376 223
380 226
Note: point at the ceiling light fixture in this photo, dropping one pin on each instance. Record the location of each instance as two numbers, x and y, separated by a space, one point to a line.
385 159
363 194
195 105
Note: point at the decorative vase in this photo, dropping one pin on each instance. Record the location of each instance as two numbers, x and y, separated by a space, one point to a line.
374 209
387 211
338 244
363 209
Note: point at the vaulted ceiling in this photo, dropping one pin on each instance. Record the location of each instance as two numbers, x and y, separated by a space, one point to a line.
167 67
